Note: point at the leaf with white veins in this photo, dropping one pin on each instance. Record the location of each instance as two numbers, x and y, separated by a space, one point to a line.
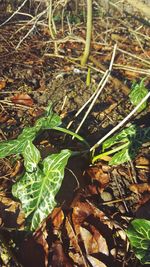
11 147
37 190
31 157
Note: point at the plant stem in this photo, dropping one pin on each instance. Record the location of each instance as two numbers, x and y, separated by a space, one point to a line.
88 33
75 135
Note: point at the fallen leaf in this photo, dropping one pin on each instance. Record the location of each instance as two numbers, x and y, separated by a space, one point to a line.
3 117
17 169
11 213
59 258
2 83
142 162
36 113
93 241
95 262
140 188
31 253
57 217
143 210
23 99
96 173
76 253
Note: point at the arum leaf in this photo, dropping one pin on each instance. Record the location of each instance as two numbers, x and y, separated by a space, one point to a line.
28 133
31 157
48 122
37 190
122 136
11 147
120 157
138 92
139 235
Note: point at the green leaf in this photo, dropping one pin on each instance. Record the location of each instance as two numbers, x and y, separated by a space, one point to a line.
120 157
49 122
37 190
122 137
31 157
138 92
28 133
10 147
139 235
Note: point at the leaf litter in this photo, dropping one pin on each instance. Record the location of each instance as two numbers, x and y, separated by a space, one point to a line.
88 229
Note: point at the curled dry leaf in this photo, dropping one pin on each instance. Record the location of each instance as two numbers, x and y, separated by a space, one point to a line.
100 175
17 169
36 112
57 217
95 262
80 212
32 252
59 258
93 241
4 117
23 99
11 214
2 83
140 188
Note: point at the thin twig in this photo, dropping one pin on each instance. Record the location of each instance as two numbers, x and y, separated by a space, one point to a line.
89 100
134 56
107 75
13 13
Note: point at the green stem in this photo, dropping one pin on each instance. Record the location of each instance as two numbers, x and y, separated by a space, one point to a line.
88 33
100 156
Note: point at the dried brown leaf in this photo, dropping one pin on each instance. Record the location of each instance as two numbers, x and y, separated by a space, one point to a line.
93 241
23 99
95 262
59 258
57 217
140 188
97 173
2 84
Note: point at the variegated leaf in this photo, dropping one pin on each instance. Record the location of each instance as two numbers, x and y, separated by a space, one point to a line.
37 190
138 233
138 92
11 147
31 157
122 137
48 122
121 157
28 133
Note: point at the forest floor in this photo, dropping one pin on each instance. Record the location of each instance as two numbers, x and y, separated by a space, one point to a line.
96 202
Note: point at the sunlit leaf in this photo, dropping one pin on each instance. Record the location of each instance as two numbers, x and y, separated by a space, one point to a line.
31 157
37 190
139 235
138 92
120 157
122 137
